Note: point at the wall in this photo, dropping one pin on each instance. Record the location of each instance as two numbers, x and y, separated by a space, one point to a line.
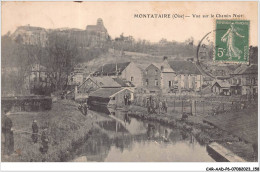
119 98
166 77
133 71
75 79
152 73
88 86
199 82
193 82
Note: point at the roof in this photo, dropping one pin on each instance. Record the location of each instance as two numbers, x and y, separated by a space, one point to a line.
110 69
246 70
155 65
38 68
31 28
223 84
184 67
253 69
106 92
123 83
166 67
104 81
141 66
240 69
96 28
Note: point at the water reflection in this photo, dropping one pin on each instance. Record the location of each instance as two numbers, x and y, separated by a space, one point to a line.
128 139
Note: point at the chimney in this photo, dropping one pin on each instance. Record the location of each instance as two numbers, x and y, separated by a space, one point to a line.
116 70
102 70
165 58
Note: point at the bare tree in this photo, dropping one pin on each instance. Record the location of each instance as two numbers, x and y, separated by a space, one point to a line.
62 57
17 60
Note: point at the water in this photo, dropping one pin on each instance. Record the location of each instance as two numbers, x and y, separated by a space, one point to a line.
126 139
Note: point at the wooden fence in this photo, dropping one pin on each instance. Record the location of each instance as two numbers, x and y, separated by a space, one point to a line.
195 105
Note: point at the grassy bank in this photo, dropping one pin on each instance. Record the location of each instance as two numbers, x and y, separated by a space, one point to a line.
67 128
204 133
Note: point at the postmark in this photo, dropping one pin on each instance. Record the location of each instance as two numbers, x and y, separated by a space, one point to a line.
232 41
206 59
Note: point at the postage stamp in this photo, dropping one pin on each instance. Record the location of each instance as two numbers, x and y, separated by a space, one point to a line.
232 41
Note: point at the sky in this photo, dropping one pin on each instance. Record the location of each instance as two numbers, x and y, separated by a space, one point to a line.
118 17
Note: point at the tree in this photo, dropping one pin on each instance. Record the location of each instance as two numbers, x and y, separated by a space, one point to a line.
190 41
17 59
62 57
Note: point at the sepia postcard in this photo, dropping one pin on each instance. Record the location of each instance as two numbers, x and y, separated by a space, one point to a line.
129 82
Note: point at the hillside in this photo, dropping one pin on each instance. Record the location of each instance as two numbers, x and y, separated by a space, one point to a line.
141 59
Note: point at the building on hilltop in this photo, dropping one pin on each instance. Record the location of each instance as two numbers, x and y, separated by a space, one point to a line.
92 36
30 35
97 33
99 28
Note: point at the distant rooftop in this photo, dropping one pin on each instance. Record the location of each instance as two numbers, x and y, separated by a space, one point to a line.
123 82
110 69
106 92
98 27
223 84
29 28
104 81
184 67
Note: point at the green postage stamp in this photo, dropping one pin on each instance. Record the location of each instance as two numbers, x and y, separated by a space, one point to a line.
232 41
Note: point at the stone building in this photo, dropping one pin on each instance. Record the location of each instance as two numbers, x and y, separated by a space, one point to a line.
37 80
245 81
187 76
31 35
127 71
220 87
92 36
76 77
97 33
172 77
152 78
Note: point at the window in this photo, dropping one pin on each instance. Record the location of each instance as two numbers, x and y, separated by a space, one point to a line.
253 81
170 84
161 68
113 98
234 81
146 82
247 80
156 71
132 78
239 81
156 82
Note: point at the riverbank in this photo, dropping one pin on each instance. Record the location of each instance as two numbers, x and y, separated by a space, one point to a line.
203 132
67 128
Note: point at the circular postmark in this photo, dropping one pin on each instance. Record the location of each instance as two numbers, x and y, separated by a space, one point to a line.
206 63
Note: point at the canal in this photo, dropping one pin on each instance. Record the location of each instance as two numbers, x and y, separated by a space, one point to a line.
121 138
